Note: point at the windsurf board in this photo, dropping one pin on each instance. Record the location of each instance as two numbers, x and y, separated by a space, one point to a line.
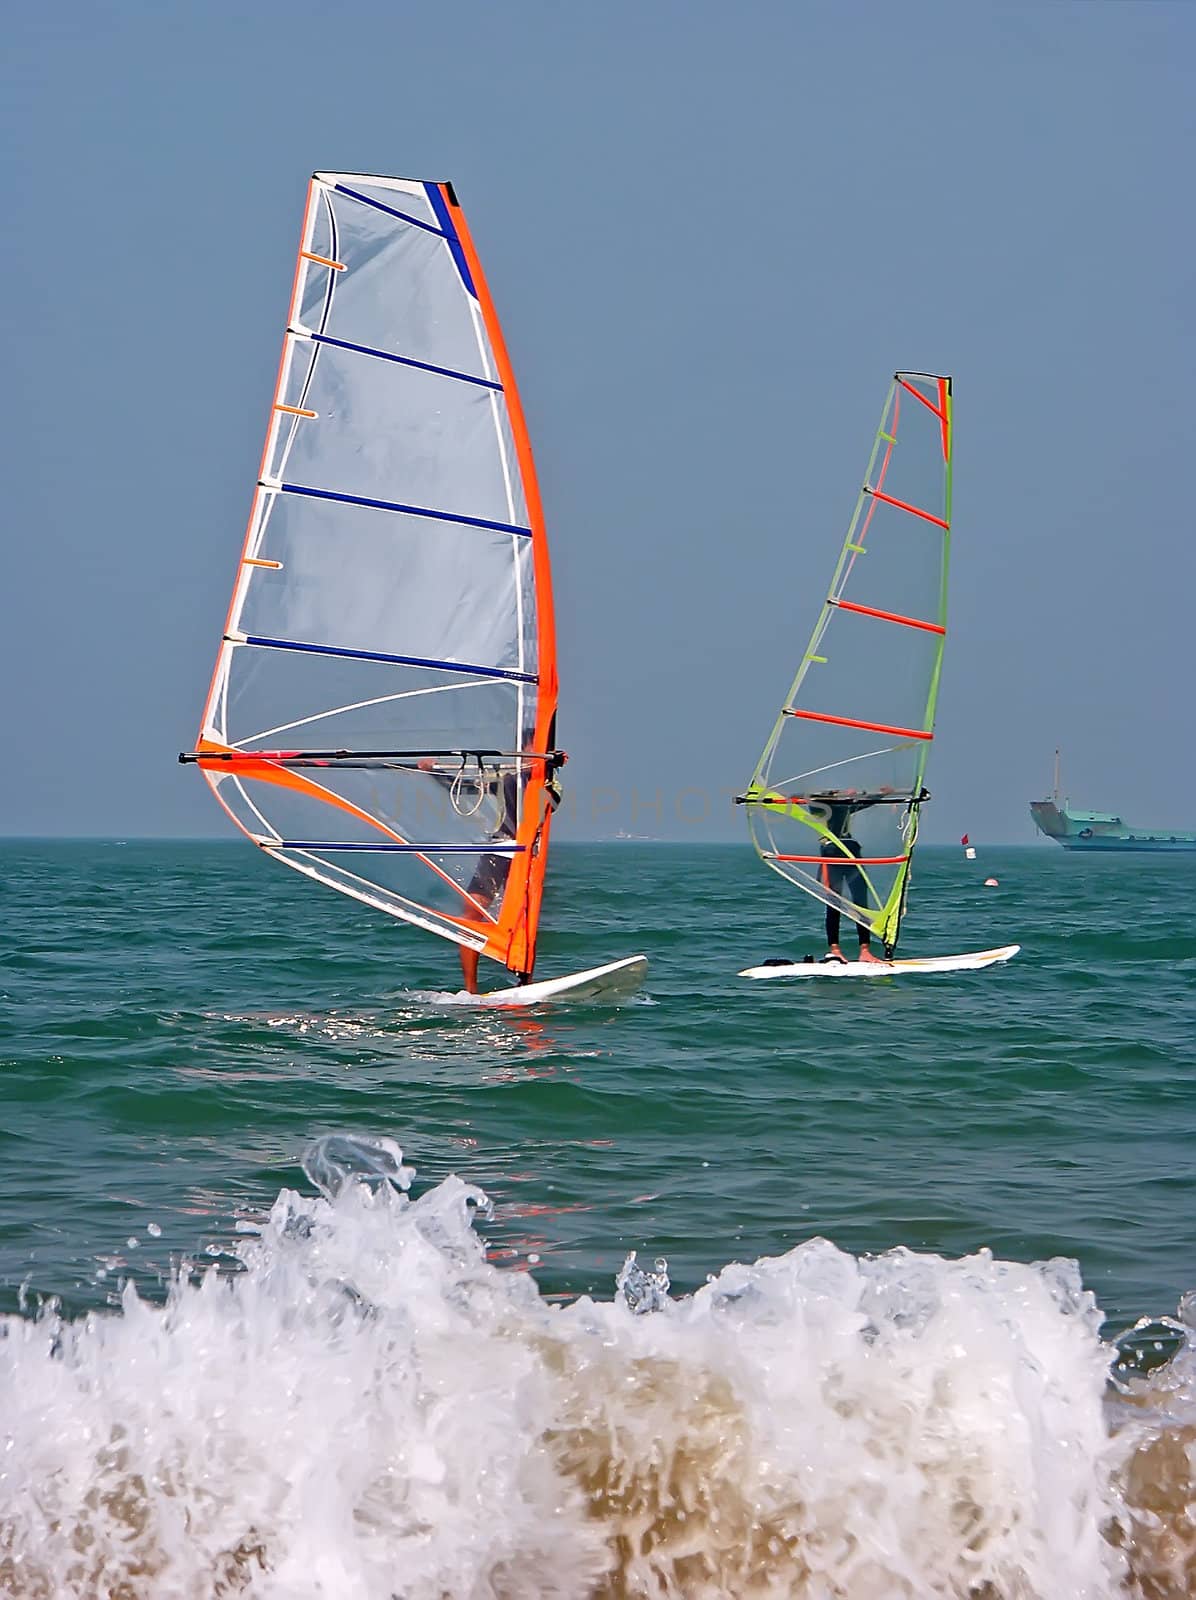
613 981
971 962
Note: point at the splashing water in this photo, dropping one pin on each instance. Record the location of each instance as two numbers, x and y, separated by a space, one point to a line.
337 1159
643 1291
369 1408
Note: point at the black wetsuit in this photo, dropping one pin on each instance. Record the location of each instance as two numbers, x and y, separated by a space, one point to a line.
839 874
490 875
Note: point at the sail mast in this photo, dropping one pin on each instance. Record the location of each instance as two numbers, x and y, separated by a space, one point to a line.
521 916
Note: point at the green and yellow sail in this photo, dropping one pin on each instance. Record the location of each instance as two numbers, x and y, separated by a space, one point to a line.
834 801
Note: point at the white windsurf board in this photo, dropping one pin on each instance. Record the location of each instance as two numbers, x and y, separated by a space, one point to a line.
610 982
972 962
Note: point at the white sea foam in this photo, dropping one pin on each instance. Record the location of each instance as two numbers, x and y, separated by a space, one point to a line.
370 1409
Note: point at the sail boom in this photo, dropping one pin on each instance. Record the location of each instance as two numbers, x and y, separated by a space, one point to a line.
854 796
409 849
299 758
859 861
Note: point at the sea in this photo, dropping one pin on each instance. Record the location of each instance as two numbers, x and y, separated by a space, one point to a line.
318 1284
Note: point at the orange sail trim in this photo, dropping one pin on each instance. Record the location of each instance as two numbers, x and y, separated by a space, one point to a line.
944 392
514 940
269 772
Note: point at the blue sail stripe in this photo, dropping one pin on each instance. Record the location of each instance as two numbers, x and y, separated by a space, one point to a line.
436 201
397 661
406 361
411 511
409 849
365 199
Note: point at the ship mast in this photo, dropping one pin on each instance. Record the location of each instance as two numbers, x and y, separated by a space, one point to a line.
1056 777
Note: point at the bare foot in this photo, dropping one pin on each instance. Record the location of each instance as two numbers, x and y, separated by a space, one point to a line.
866 955
834 954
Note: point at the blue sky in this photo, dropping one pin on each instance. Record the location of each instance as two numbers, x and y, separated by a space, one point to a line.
711 233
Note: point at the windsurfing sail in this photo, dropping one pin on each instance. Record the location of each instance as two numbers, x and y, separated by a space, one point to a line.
834 802
382 713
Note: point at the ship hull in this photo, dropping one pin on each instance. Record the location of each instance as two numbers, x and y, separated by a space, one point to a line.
1101 830
1102 845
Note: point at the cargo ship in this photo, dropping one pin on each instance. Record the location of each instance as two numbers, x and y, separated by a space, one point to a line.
1100 830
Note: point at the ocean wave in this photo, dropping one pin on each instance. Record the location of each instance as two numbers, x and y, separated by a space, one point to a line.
370 1408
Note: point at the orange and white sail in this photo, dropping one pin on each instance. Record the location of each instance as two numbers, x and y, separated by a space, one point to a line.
382 713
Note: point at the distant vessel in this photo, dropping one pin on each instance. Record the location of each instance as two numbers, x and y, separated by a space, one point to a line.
1099 830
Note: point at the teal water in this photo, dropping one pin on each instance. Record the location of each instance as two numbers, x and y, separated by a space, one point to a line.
181 1020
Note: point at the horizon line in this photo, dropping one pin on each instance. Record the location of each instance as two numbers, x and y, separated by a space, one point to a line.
225 839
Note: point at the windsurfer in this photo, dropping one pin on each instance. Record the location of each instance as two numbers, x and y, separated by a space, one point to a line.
839 873
490 875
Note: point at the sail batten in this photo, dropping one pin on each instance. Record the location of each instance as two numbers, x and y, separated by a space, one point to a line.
402 361
889 616
394 505
403 216
374 655
393 588
856 722
827 807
